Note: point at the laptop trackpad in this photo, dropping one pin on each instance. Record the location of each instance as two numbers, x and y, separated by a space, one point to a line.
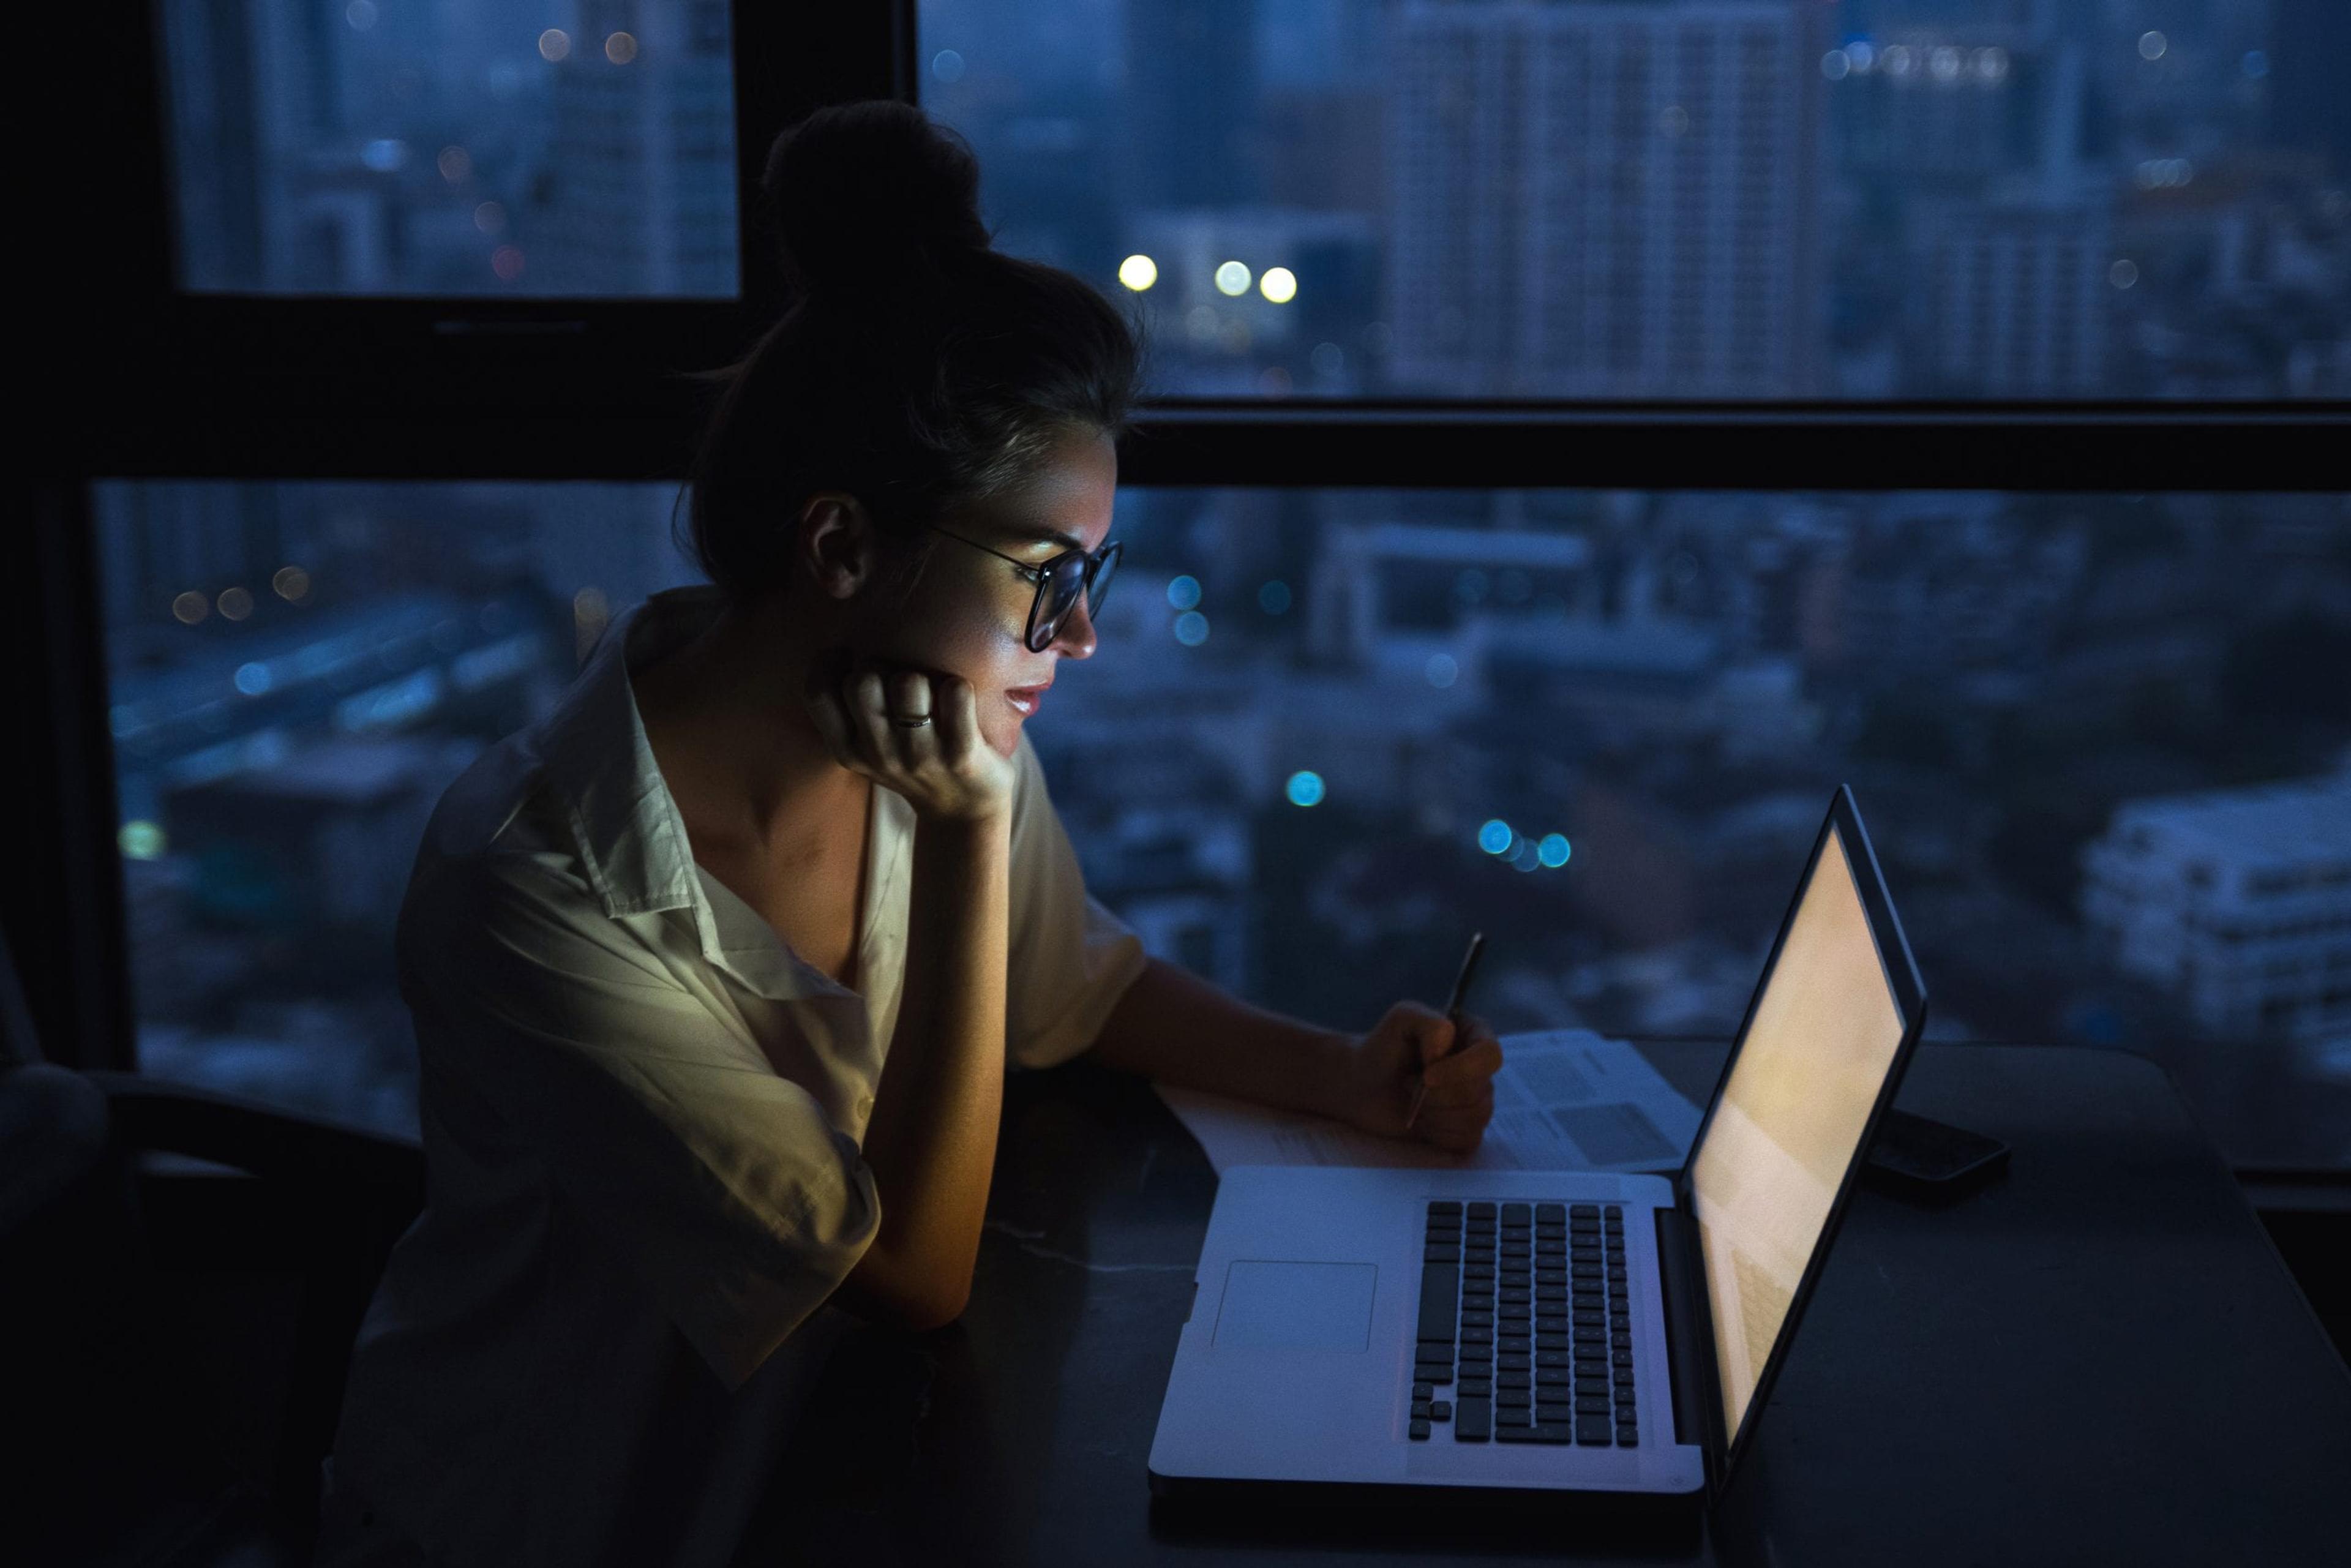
1296 1306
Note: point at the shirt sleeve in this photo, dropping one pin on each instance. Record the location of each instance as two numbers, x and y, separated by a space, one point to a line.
1072 959
723 1184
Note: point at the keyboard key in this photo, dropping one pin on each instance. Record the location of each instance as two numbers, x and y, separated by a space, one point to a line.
1440 1255
1473 1421
1474 1388
1441 1410
1550 1341
1517 1213
1558 1358
1553 1212
1593 1431
1614 1211
1512 1416
1481 1209
1420 1391
1584 1211
1444 1206
1624 1377
1420 1430
1593 1404
1514 1362
1628 1436
1420 1409
1620 1357
1547 1414
1477 1336
1428 1374
1506 1398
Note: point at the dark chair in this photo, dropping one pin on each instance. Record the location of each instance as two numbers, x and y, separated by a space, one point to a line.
175 1340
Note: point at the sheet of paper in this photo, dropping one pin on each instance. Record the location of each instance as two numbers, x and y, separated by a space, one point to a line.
1564 1100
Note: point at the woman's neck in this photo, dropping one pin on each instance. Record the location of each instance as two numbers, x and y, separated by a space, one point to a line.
732 734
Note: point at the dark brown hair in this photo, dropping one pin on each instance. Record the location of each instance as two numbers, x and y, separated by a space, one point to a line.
916 366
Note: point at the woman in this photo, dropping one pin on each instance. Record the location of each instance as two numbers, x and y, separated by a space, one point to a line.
783 830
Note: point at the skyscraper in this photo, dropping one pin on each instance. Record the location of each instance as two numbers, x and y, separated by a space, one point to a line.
639 179
1191 97
1604 199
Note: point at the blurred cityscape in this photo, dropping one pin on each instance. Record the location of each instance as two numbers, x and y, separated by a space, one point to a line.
1681 198
453 147
2103 744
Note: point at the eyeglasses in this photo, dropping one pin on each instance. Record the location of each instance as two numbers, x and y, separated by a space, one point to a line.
1060 582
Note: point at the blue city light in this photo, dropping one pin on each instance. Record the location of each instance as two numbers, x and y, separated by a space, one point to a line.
1274 597
253 679
1304 789
1495 837
1183 593
1191 628
1553 850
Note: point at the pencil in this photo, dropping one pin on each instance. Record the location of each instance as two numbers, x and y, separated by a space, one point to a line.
1453 1015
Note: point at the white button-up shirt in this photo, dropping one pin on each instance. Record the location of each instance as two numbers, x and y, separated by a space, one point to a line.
641 1116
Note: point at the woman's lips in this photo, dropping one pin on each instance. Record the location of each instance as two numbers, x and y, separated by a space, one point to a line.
1026 698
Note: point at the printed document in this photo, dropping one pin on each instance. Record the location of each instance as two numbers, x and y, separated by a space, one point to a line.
1565 1099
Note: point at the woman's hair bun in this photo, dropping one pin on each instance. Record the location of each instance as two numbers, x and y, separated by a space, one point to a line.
864 191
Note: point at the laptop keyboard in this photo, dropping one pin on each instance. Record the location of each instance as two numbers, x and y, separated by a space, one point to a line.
1524 1322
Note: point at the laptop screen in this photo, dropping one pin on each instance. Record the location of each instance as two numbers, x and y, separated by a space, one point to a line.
1824 1036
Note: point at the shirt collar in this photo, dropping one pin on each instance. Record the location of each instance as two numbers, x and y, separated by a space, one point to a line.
633 841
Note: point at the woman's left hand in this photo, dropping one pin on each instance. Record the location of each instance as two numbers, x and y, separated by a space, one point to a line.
1386 1067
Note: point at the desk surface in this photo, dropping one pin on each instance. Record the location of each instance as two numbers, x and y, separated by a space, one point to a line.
2099 1358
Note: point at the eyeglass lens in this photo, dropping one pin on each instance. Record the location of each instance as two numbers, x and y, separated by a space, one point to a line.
1059 594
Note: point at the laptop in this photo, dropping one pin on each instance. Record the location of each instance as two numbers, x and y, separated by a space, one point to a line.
1532 1334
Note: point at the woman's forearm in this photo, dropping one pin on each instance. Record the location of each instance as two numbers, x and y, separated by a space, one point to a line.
931 1141
1178 1029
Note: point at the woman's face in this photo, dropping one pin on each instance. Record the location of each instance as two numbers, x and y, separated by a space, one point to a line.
967 613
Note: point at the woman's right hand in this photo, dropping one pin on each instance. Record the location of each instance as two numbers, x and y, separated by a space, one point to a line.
945 769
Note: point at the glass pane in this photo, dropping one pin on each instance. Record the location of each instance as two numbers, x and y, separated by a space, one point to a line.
2103 746
1744 199
399 147
297 670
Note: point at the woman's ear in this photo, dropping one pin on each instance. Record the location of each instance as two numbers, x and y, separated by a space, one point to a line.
837 543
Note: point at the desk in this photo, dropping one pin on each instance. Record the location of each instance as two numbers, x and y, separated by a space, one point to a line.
2098 1359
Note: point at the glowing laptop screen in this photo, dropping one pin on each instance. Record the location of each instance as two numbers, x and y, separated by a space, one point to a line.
1824 1039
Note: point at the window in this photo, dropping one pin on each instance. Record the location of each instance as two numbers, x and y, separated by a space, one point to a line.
1605 726
1741 199
387 147
296 672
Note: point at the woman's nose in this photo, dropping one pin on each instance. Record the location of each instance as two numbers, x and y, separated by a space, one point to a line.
1075 639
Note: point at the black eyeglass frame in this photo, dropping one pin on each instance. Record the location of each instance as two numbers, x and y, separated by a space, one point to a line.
1044 620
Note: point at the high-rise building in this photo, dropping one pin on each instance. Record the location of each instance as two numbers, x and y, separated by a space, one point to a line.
2238 900
1191 101
1604 199
638 187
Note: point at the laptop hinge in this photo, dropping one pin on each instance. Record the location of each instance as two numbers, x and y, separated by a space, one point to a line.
1689 1347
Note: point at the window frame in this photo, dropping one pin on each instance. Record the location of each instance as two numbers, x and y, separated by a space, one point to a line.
232 386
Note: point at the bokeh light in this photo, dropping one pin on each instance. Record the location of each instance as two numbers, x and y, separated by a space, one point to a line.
1273 596
1183 592
554 43
1495 837
1304 789
236 603
190 608
1232 278
620 48
947 66
1138 272
141 840
291 583
1553 850
1279 285
1441 670
1191 628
